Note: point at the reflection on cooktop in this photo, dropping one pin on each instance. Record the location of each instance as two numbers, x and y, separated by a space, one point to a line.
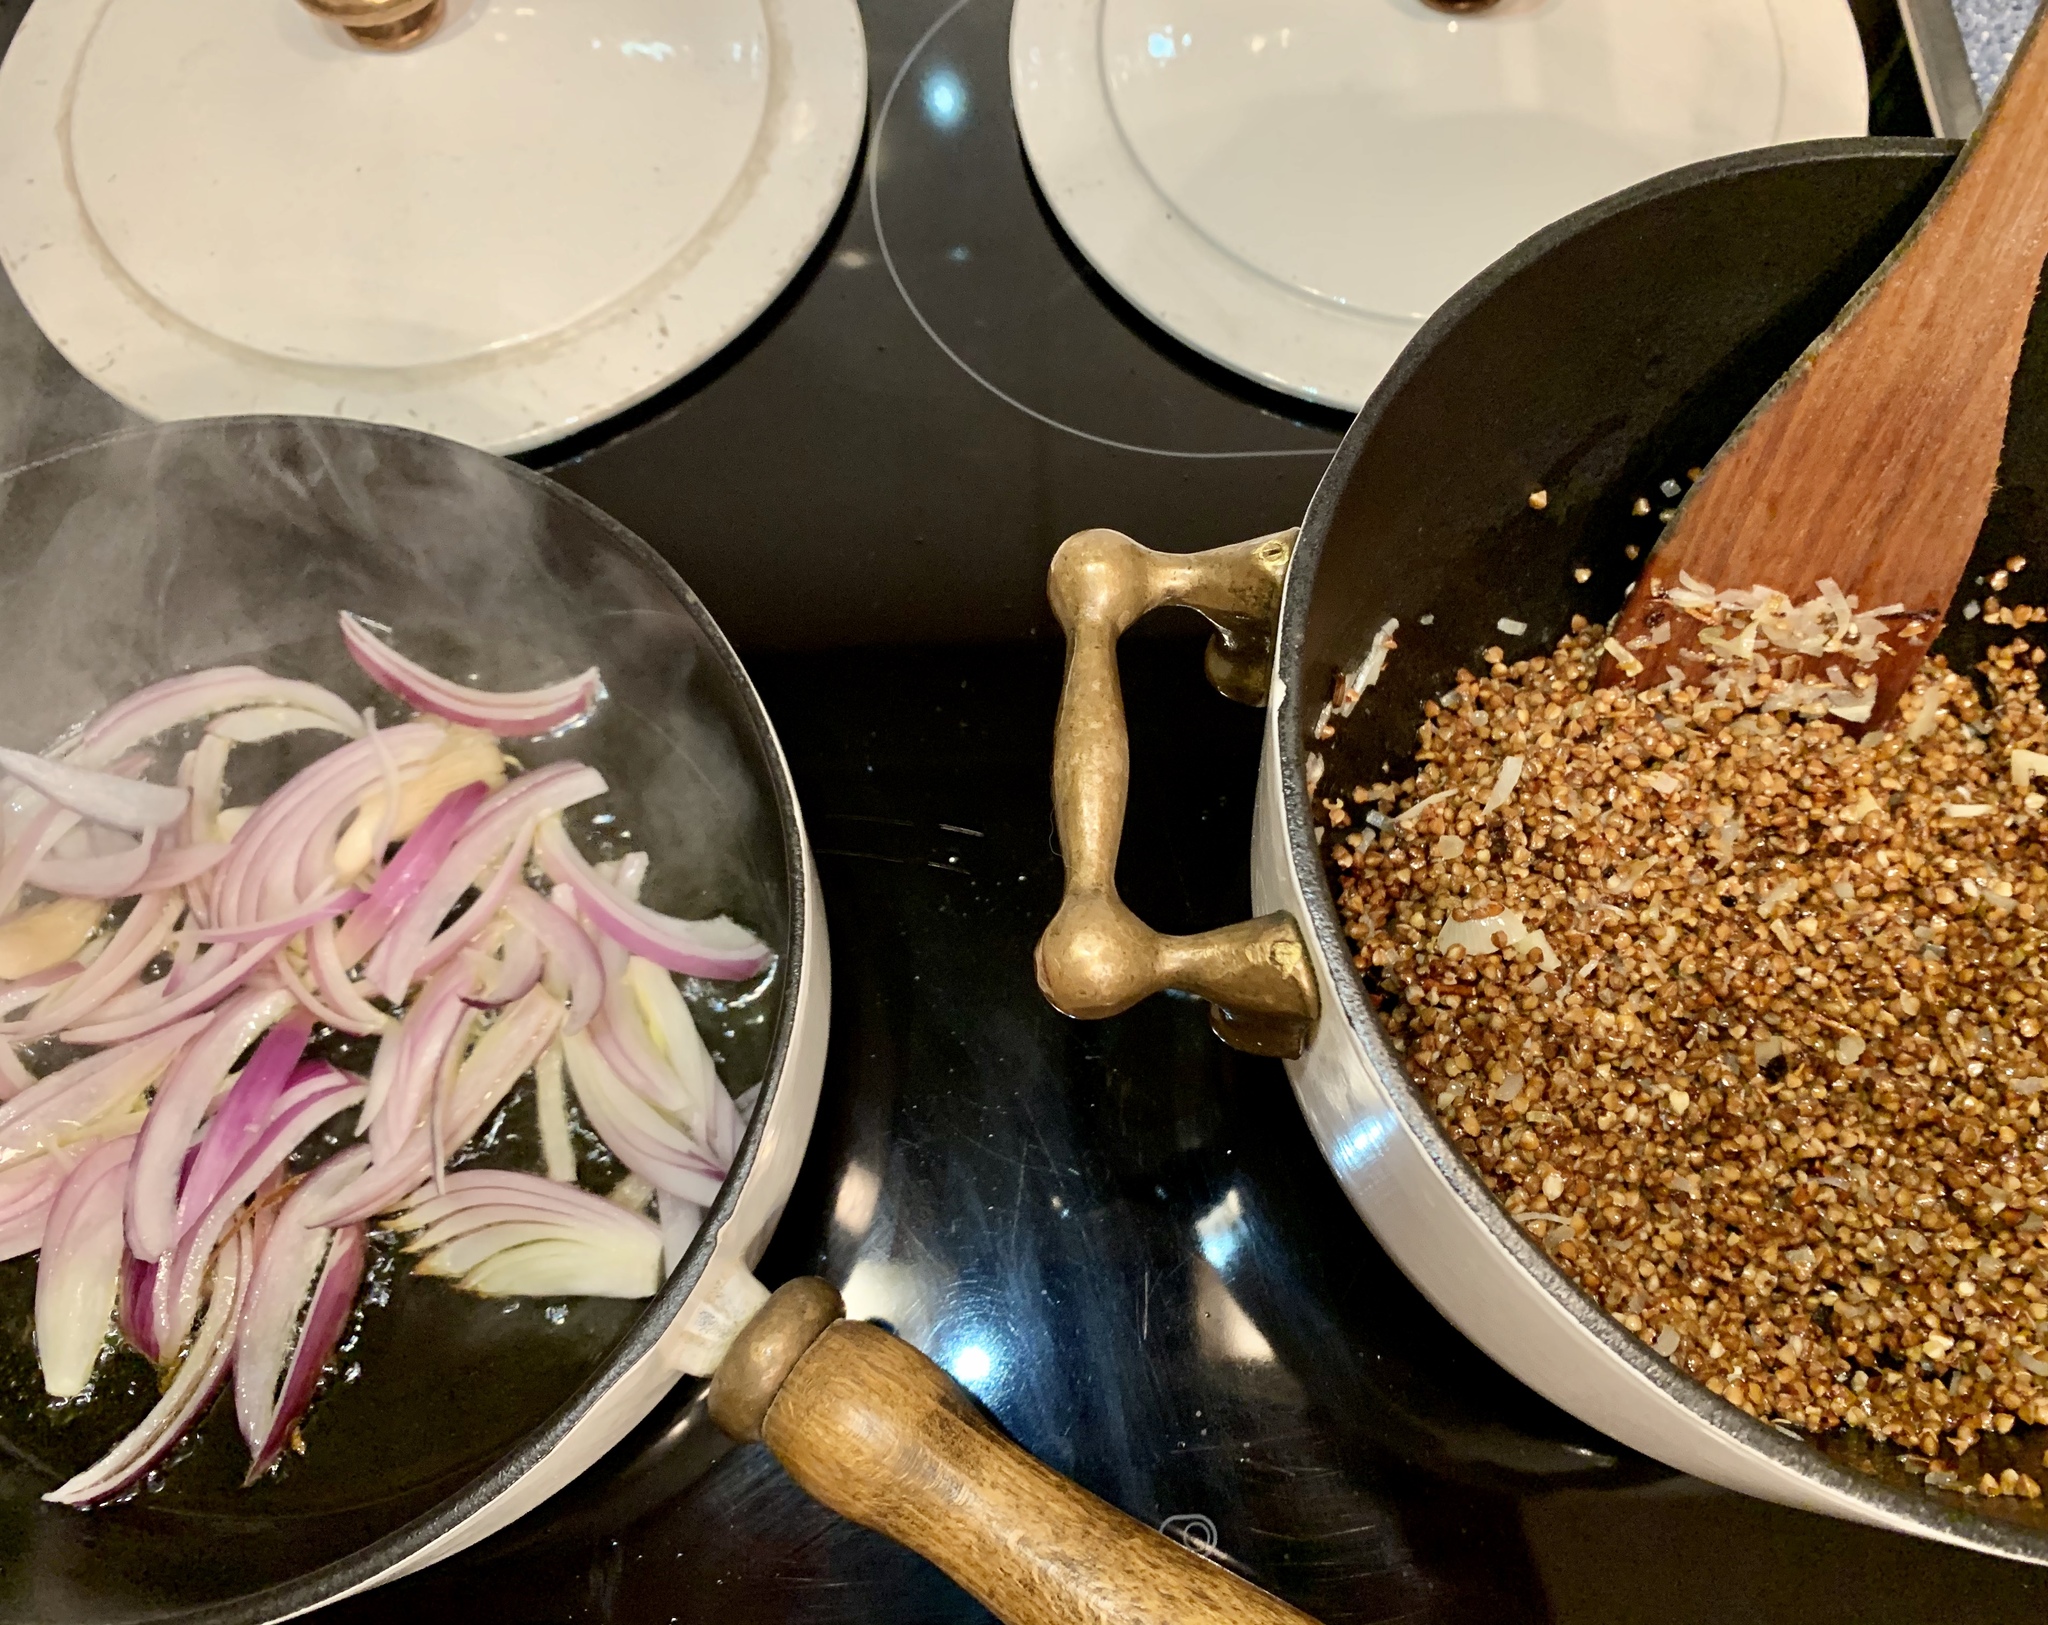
976 251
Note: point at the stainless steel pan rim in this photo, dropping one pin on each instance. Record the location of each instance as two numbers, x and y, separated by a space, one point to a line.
1283 781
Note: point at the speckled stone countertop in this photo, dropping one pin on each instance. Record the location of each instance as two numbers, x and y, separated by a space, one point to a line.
1991 33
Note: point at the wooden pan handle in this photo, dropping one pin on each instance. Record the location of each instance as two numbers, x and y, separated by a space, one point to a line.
877 1432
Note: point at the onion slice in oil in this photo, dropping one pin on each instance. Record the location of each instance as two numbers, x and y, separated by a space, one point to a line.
522 715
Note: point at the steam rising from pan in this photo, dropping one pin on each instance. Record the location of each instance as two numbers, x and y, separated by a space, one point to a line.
166 550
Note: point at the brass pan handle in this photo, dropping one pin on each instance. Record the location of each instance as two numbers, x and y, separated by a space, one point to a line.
1097 958
877 1432
382 25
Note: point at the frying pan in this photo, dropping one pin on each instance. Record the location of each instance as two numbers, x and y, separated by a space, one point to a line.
237 540
1613 350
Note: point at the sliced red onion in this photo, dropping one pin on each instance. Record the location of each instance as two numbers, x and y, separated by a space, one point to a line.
344 1006
28 989
718 949
139 940
509 715
41 833
309 916
69 1103
287 1269
184 953
199 1377
503 822
198 695
243 1117
180 1106
424 851
638 1135
256 724
301 1110
286 848
622 1040
500 1057
215 975
116 874
409 1059
394 791
105 798
567 1266
327 1316
138 1320
573 969
624 875
515 973
466 926
507 1234
477 1197
660 1004
78 1275
551 1103
204 772
27 1190
144 867
14 1076
182 865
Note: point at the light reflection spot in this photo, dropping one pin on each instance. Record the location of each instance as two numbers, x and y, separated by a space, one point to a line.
1360 1145
1160 44
972 1364
944 98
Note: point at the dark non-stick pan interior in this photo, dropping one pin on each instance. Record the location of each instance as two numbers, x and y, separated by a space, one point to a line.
237 541
1602 359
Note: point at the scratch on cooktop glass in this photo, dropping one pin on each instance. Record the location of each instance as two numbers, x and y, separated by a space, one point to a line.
952 355
949 867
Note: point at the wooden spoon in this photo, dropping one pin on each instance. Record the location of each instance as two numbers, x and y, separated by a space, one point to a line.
1872 462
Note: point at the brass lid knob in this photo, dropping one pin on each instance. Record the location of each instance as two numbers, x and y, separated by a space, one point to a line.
382 25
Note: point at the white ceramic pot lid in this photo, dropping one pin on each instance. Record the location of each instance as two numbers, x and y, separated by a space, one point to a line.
546 211
1293 186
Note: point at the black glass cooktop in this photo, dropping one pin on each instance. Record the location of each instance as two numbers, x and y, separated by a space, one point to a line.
1120 1236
